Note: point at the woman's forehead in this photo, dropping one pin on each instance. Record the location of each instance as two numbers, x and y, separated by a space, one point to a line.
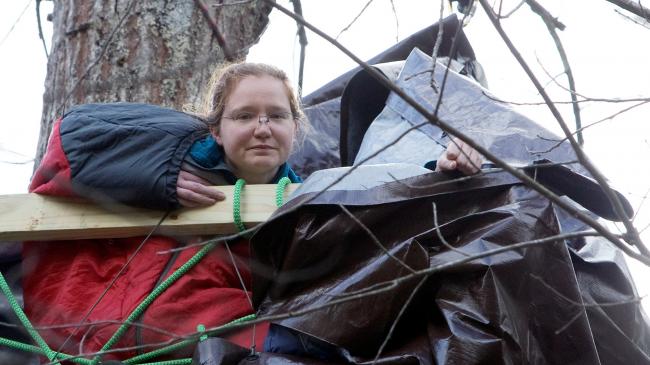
259 92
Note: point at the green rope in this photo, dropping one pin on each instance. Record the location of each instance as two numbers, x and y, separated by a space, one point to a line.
37 350
279 191
176 346
153 295
236 205
201 329
47 351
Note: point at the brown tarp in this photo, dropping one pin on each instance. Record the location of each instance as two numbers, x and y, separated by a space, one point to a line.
532 305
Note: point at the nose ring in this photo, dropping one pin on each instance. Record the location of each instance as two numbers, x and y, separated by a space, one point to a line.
263 119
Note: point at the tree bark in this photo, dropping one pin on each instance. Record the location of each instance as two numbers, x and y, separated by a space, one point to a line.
158 51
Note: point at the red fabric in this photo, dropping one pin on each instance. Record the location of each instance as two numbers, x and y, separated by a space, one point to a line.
53 174
63 280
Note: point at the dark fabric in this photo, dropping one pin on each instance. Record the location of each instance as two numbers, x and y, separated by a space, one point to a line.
528 305
125 152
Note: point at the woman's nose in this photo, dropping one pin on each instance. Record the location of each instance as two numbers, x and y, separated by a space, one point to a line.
263 127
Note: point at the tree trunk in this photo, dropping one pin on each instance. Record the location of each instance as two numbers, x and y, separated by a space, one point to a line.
158 51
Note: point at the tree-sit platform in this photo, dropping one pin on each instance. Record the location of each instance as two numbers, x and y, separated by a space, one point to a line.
37 217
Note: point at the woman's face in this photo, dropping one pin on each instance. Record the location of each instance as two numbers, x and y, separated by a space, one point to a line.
257 128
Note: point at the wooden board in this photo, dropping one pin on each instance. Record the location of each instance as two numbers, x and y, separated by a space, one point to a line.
36 217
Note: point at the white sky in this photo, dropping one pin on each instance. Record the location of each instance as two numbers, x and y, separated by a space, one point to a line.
608 53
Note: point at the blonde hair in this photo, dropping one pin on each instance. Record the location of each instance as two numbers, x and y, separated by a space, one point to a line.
224 80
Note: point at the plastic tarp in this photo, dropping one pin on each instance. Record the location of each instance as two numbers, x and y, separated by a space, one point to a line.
397 244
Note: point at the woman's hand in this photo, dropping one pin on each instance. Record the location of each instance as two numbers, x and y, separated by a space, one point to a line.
193 191
460 156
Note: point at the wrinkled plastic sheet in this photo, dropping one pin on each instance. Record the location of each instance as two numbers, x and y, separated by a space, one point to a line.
528 305
323 106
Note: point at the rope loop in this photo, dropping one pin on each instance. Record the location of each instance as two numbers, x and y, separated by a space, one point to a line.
279 191
236 205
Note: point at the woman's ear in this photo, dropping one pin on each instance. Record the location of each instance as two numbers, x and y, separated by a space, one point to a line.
216 135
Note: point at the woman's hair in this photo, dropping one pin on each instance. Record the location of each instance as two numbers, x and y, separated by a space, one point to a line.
224 80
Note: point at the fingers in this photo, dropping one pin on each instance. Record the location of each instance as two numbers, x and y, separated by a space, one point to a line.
194 191
460 156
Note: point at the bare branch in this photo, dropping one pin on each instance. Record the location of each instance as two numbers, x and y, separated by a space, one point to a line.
302 38
616 240
353 20
440 236
632 235
507 15
551 24
633 7
374 238
398 317
584 100
551 21
215 30
392 5
632 19
612 116
436 47
40 28
383 287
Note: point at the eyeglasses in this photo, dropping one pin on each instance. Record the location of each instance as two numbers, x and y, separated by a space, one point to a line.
246 118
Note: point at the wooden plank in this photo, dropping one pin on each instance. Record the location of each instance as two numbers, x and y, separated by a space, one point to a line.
37 217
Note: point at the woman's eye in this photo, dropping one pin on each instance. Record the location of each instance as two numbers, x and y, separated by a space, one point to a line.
279 117
244 117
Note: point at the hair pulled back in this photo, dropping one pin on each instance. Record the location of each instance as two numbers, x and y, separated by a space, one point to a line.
224 80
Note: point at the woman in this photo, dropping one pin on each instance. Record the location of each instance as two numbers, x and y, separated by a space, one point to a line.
155 157
137 154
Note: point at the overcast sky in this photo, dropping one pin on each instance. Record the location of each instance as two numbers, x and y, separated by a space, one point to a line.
608 53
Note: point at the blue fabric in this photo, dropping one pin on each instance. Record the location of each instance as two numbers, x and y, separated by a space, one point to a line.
207 153
283 340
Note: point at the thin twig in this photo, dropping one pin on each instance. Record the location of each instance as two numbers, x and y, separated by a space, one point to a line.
302 39
392 5
436 47
548 18
551 24
374 238
560 141
581 305
105 322
643 200
632 19
398 317
586 99
40 28
633 7
15 22
440 236
353 20
522 2
215 30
